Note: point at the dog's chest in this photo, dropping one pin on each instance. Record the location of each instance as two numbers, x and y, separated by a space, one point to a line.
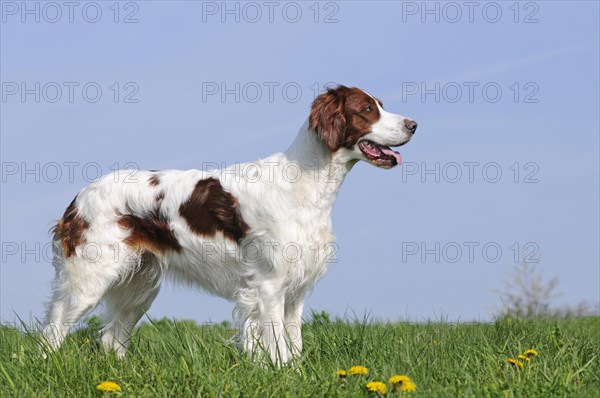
307 247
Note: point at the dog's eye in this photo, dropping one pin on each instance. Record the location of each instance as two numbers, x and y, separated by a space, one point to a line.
368 108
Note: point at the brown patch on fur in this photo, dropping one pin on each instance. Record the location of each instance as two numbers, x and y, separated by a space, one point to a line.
341 116
361 113
154 180
160 196
327 117
210 209
150 232
70 228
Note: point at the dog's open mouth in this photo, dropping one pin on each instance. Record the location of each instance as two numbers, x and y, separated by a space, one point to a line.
380 155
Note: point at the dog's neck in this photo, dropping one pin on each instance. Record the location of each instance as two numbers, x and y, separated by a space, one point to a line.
319 167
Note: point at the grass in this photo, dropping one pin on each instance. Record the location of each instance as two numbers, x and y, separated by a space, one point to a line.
181 359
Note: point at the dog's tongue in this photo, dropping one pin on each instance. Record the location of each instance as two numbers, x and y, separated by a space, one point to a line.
395 154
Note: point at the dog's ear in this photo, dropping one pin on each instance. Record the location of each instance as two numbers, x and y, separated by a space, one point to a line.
327 117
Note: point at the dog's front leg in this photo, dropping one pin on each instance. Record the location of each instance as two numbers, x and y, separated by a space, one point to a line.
293 324
263 330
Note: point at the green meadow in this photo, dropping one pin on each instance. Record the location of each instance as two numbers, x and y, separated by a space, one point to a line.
184 359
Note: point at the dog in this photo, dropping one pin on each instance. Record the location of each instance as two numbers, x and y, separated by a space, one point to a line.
257 233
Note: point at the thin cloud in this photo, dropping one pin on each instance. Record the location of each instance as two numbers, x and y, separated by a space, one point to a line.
499 68
502 67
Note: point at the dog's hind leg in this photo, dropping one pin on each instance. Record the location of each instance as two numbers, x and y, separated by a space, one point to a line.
79 285
127 302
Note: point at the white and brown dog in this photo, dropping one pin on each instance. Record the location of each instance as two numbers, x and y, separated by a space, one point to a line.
256 235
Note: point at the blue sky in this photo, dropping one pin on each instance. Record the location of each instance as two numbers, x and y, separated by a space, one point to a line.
514 92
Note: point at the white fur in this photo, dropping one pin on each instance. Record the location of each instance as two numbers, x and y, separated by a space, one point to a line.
287 201
389 130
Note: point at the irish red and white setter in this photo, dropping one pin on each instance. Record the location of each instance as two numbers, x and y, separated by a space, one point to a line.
257 233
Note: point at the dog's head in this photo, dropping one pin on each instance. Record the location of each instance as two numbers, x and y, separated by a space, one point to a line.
351 120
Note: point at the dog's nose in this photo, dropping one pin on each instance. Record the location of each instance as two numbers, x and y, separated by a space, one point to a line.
411 125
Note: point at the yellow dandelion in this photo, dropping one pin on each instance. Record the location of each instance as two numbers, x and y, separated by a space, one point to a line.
108 386
377 386
341 373
409 386
358 370
523 358
514 362
402 383
397 379
530 353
